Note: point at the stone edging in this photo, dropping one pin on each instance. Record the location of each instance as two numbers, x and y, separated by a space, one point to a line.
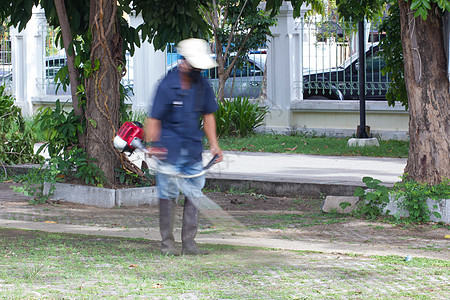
102 197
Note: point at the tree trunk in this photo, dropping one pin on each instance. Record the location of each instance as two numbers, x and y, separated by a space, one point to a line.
73 72
428 95
102 87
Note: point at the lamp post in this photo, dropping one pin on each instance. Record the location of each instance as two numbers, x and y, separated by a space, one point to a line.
362 133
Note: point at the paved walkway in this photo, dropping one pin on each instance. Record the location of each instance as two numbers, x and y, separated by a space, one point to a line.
307 168
298 168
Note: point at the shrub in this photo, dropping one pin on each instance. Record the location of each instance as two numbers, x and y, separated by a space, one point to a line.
17 146
412 196
373 201
239 117
59 127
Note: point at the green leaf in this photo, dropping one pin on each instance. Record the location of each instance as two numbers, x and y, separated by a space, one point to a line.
93 122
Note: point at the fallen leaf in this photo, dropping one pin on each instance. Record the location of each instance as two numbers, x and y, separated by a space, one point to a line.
51 222
447 236
157 285
133 266
291 149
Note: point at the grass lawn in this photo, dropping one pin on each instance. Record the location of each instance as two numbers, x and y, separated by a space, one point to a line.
263 142
38 265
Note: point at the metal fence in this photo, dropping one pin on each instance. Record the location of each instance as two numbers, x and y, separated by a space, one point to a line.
330 64
246 79
5 61
330 60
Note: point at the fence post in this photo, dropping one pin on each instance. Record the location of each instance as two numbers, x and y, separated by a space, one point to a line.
284 68
149 67
27 60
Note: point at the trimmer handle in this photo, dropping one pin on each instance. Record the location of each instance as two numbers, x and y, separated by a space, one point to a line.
211 162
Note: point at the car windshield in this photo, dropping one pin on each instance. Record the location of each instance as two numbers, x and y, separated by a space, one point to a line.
370 48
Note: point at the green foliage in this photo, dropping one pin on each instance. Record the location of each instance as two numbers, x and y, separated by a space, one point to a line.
168 21
74 164
131 179
373 201
274 6
243 26
33 183
392 55
17 146
412 196
18 11
239 117
69 166
422 7
360 9
60 128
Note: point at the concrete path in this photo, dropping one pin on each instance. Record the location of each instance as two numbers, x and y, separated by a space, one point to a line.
299 168
307 168
307 244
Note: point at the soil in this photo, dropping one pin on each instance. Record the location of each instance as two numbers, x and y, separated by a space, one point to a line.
246 215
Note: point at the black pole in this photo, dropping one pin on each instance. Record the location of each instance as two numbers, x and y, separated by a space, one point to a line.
362 134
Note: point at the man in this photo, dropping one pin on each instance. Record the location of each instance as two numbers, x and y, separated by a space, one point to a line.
182 98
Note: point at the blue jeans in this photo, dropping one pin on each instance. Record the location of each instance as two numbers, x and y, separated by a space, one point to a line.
169 187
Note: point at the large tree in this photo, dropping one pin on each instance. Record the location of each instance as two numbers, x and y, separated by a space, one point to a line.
427 87
95 35
427 84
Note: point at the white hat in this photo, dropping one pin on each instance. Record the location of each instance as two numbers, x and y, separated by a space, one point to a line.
197 53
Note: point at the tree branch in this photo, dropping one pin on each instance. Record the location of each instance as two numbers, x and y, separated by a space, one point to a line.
70 54
234 28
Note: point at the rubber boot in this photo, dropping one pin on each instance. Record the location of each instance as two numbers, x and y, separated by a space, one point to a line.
166 221
189 230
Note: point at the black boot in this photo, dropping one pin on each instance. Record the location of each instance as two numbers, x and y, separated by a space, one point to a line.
189 230
166 220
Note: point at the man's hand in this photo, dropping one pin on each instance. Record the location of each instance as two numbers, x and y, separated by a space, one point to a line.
216 151
209 125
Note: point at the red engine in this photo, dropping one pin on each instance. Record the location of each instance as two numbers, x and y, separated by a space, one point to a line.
129 137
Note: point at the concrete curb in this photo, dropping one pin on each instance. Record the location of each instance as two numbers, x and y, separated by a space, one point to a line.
102 197
282 188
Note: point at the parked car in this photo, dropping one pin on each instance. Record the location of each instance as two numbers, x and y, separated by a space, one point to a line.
342 82
54 63
6 79
245 81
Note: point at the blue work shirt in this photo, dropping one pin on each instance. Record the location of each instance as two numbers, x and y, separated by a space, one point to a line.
179 112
